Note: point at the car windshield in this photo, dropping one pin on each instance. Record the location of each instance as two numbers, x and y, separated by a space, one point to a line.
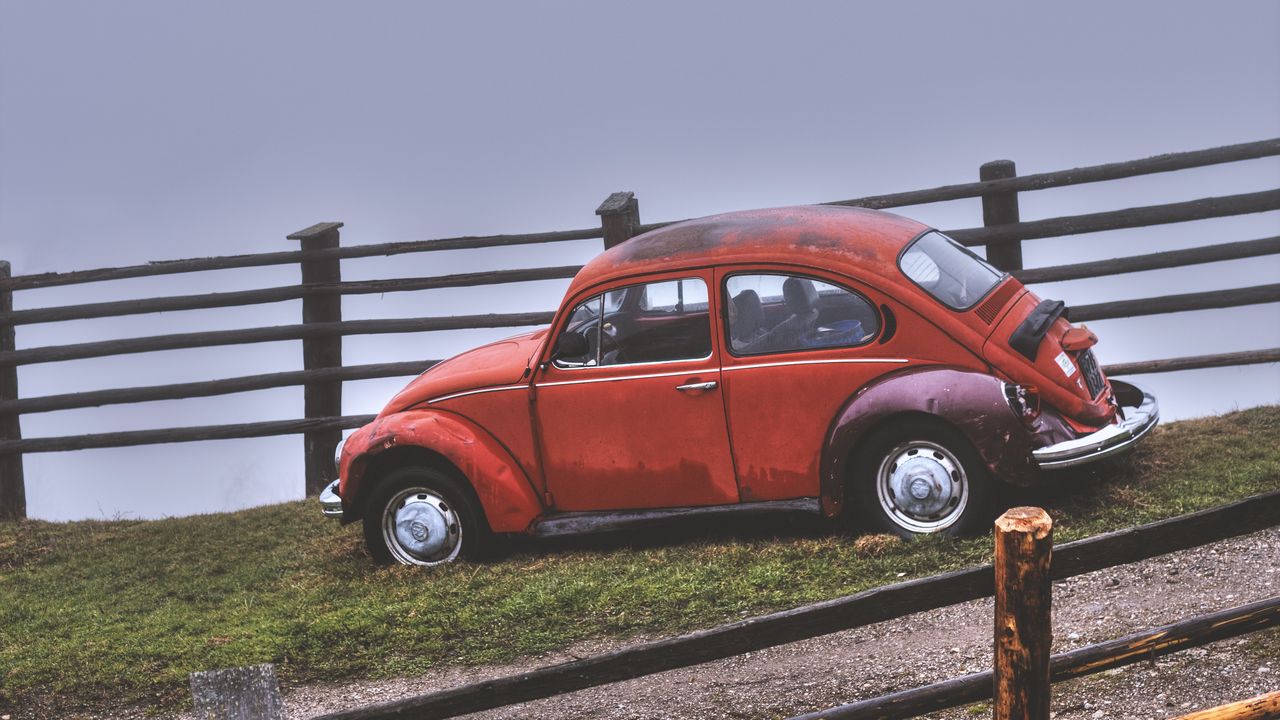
948 271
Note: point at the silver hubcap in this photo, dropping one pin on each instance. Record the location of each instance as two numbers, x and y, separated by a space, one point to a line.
421 528
922 487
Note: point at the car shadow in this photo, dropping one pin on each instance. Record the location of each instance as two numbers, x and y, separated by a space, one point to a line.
1066 493
1081 491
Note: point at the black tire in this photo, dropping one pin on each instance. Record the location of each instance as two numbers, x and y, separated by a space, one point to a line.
419 515
920 477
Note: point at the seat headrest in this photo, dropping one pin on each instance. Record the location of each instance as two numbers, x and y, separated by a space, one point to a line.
801 295
750 315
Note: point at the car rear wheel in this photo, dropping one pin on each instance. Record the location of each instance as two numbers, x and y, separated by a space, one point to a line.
918 477
422 516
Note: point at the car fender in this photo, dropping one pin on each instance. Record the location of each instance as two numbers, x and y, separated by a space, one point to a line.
972 402
505 493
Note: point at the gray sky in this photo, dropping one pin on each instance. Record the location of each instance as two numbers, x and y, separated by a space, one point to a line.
135 131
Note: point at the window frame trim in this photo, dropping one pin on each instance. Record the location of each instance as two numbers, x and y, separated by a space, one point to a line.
725 300
704 274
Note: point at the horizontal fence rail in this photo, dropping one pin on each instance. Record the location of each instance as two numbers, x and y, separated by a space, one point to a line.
247 383
1210 300
181 341
1195 362
363 372
279 294
1202 209
1153 261
1260 707
871 606
103 348
128 438
209 388
226 262
1137 647
360 372
292 378
322 288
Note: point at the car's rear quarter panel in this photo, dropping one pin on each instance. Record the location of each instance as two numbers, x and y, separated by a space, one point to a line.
972 402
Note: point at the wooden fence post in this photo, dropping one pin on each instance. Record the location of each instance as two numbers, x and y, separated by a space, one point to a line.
1023 631
322 399
1001 208
13 491
619 217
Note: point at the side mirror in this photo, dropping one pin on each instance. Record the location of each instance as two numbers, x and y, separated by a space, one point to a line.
570 345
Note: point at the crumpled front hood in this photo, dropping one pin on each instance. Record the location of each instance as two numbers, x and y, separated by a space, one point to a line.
505 362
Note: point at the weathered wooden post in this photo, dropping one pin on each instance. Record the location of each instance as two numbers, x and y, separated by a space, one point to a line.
322 399
1001 208
243 693
619 217
13 491
1023 629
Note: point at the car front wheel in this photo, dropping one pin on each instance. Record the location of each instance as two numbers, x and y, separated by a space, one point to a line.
918 477
422 516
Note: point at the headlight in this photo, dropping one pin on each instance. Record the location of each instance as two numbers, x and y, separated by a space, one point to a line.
1023 401
337 456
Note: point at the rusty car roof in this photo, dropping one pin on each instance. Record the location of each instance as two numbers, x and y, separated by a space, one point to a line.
850 241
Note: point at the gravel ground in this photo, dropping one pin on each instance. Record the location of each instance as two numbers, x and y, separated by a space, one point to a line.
916 650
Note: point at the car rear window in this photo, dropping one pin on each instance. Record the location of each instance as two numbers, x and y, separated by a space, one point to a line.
948 271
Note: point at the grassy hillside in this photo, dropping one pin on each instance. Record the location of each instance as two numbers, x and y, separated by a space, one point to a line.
98 614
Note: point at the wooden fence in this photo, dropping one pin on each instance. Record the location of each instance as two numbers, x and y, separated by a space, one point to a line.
895 601
322 328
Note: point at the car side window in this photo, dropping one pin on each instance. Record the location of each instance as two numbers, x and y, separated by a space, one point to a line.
651 322
774 313
674 296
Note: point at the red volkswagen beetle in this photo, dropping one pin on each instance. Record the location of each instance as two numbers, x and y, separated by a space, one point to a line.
844 361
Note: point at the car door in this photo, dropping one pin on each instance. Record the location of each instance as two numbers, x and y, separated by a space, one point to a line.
797 347
637 420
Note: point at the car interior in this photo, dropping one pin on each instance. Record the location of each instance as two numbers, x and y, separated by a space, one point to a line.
805 314
669 320
655 322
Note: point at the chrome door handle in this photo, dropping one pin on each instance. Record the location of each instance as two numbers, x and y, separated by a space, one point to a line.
697 386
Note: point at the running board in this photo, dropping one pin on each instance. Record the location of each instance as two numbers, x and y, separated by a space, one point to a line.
576 523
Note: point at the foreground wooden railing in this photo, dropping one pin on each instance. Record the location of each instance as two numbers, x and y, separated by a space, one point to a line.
1262 707
322 328
1144 646
872 606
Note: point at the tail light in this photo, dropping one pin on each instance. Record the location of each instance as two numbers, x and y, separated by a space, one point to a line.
1079 338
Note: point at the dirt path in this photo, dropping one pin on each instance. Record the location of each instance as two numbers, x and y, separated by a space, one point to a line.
926 647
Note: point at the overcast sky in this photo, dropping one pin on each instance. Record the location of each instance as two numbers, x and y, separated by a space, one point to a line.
136 131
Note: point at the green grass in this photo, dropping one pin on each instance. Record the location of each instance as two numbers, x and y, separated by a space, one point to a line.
100 614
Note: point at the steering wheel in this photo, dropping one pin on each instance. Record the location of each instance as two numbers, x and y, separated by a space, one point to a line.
606 338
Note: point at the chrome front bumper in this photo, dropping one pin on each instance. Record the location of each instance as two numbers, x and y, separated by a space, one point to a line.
330 503
1110 440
